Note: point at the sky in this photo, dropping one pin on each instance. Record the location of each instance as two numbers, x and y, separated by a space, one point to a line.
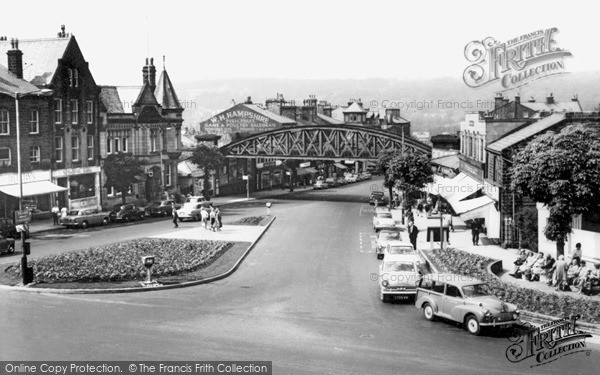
308 39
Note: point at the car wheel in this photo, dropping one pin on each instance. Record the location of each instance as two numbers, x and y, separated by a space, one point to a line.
11 248
379 256
85 225
382 297
165 213
125 218
105 221
197 218
472 325
428 312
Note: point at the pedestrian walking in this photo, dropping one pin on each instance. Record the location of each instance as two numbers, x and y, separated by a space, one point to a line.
175 215
448 224
475 229
204 217
55 212
213 219
219 220
413 232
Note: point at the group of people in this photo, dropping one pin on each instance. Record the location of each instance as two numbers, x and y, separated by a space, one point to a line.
563 274
58 213
210 217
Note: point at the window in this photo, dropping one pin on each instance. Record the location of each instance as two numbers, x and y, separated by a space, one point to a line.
117 148
168 175
452 291
74 111
75 148
58 111
124 145
525 114
89 112
34 122
34 154
426 283
438 287
90 147
153 140
108 145
4 156
73 78
4 122
58 149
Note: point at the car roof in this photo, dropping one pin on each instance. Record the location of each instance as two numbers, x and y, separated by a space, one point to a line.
382 209
377 192
401 258
399 243
453 279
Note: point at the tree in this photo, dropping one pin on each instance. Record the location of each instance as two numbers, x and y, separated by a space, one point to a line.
121 170
383 165
209 158
562 171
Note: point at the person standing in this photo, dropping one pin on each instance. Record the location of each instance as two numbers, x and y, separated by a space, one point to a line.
63 212
175 215
475 228
213 219
55 211
577 252
204 216
219 221
560 272
413 232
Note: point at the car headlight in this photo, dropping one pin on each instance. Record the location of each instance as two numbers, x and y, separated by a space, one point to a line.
385 283
488 313
377 222
515 315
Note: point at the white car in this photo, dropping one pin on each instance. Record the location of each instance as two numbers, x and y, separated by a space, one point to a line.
399 247
195 199
399 275
382 219
351 178
384 237
190 211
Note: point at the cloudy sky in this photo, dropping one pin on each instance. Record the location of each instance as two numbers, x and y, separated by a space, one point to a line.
299 39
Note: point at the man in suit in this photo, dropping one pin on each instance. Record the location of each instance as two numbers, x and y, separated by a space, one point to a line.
413 232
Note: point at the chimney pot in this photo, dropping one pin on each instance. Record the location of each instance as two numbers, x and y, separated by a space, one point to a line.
15 59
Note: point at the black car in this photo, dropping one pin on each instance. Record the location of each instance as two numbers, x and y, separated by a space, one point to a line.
7 228
377 196
7 245
126 212
160 208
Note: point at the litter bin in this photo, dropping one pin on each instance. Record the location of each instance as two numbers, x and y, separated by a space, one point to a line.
28 278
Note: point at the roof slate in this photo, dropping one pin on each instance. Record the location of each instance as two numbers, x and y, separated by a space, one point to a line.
526 132
165 93
10 84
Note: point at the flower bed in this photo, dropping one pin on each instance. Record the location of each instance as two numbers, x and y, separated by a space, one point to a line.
250 220
464 263
122 261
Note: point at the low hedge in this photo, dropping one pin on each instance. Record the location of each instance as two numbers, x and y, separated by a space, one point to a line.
122 261
464 263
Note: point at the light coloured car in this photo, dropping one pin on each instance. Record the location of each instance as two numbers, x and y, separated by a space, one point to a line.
331 182
84 218
465 300
351 178
190 211
399 275
382 219
195 199
399 247
320 185
384 237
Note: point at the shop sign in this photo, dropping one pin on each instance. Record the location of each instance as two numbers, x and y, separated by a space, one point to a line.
78 204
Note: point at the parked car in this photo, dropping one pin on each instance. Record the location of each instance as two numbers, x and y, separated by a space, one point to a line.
84 218
378 196
351 178
365 176
126 212
465 300
160 208
399 247
195 199
399 275
331 182
341 181
383 239
7 245
191 211
382 219
7 228
320 184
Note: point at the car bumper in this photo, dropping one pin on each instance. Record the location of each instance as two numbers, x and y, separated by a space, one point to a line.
399 292
500 324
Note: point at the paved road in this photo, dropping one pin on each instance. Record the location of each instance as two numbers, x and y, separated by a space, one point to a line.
303 299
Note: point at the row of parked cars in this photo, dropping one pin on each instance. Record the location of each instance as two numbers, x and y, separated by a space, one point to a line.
348 178
404 275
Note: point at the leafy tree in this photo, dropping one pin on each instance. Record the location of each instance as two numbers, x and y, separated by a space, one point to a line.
562 171
383 165
207 157
526 221
120 171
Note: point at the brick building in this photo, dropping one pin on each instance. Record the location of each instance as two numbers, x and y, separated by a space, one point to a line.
65 148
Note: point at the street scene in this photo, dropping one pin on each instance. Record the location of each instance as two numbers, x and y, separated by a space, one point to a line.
190 194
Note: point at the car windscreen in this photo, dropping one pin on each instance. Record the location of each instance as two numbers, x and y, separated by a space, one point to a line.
477 290
384 215
399 266
389 235
73 213
400 250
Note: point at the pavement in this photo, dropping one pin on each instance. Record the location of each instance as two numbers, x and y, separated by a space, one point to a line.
461 239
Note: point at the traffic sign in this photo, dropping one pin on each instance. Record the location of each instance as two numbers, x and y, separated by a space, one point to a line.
22 216
268 164
245 177
304 165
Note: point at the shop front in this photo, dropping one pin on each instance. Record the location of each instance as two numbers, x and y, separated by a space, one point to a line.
82 187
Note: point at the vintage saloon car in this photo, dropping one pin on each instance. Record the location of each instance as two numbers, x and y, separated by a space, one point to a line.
399 275
191 211
126 212
384 237
465 300
377 198
84 218
382 219
7 245
399 247
160 208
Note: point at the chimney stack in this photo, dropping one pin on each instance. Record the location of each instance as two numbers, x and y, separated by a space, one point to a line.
498 101
15 59
145 72
149 74
550 99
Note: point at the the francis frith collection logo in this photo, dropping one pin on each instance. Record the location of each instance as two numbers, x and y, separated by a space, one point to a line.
516 62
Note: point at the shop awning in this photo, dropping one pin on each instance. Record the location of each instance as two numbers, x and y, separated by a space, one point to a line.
459 188
310 170
476 208
32 188
340 166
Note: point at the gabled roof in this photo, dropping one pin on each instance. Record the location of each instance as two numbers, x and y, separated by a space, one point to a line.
269 114
146 97
329 120
355 108
450 161
40 57
165 93
526 132
10 84
109 95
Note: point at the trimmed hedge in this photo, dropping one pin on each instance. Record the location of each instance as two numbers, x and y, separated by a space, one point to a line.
464 263
122 261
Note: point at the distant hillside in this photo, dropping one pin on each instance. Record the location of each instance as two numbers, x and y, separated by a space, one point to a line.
434 105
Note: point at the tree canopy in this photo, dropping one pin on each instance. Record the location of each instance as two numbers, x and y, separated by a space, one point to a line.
207 157
562 171
120 170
